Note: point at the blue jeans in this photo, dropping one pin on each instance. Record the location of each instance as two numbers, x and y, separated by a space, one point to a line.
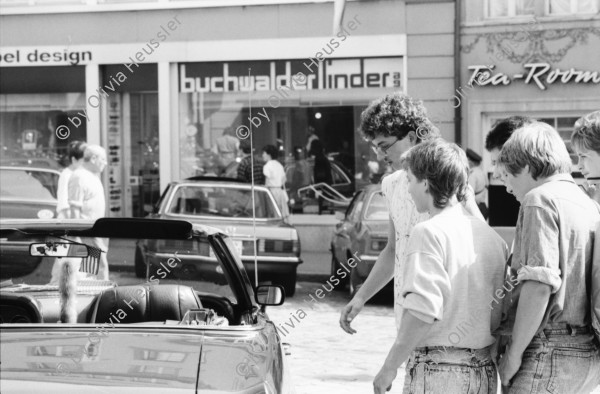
558 361
450 370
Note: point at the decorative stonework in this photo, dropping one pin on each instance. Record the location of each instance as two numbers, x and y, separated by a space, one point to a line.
532 45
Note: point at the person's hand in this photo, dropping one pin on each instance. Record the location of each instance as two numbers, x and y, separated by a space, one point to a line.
508 367
349 312
383 380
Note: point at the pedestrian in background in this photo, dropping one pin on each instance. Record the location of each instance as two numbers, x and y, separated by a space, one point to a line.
478 181
548 312
75 157
448 279
300 174
312 136
586 143
499 134
275 179
245 170
321 170
227 147
86 198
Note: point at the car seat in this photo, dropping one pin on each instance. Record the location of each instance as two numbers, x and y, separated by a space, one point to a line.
144 303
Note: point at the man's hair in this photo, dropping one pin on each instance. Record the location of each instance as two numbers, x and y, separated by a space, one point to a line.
586 133
445 167
91 151
396 115
245 147
538 146
271 151
503 129
75 150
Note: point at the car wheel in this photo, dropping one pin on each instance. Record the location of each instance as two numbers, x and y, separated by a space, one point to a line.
335 265
140 264
355 283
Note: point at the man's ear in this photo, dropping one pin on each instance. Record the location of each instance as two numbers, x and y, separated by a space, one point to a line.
412 137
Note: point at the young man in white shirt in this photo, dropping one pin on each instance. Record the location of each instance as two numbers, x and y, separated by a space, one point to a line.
393 124
454 266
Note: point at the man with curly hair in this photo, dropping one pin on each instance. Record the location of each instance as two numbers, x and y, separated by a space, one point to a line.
393 124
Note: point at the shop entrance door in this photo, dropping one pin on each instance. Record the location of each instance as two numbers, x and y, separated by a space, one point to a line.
133 176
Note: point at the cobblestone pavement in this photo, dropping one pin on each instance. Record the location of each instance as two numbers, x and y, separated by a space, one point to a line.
324 358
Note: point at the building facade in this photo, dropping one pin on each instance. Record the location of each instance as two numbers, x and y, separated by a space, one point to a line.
158 83
532 58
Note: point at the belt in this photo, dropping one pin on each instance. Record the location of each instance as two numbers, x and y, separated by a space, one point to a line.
437 349
566 329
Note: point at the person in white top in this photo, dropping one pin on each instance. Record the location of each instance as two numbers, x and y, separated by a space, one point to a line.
75 155
86 197
454 266
393 124
275 179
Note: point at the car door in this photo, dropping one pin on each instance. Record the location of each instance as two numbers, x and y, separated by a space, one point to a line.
341 181
345 230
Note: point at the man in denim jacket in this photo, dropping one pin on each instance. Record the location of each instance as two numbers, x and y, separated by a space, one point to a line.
552 347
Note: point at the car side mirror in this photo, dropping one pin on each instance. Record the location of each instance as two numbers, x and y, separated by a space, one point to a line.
269 295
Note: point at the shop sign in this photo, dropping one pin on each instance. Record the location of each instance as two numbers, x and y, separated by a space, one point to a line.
542 74
273 75
44 57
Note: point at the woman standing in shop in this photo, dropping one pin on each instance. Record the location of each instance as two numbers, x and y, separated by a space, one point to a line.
275 179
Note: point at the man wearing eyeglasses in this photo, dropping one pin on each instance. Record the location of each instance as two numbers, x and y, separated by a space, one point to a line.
393 125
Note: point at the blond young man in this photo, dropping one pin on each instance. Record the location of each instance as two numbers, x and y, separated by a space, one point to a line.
552 346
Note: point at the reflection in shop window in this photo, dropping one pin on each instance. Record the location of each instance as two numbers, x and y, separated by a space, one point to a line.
563 7
508 8
28 124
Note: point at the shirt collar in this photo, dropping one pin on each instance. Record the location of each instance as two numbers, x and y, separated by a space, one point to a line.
559 177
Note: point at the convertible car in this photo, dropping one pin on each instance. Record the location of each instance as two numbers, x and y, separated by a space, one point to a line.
65 331
228 205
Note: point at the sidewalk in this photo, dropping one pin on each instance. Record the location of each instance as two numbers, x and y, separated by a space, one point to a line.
315 232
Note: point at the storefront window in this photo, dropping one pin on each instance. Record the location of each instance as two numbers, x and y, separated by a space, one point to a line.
564 126
33 105
285 105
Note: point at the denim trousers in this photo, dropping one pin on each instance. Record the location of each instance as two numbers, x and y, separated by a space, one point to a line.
449 370
558 361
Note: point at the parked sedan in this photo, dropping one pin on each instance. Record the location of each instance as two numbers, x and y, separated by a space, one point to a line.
361 235
28 192
228 205
159 334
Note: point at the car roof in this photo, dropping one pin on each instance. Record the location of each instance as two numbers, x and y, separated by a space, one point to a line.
208 181
202 178
26 168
